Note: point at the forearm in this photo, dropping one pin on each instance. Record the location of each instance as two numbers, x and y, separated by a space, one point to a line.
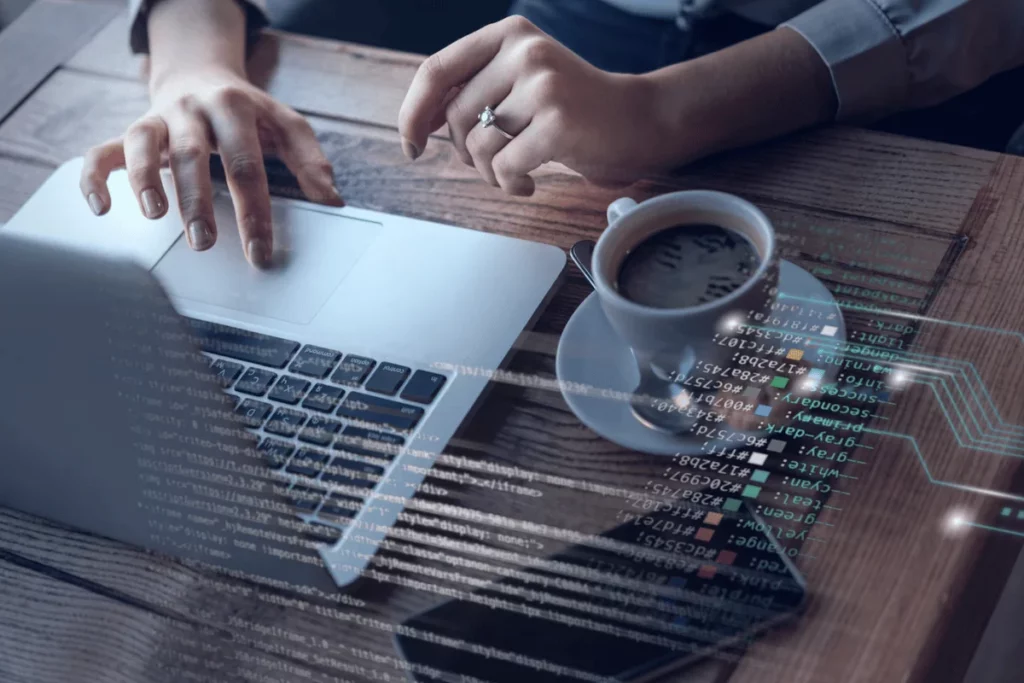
189 35
759 89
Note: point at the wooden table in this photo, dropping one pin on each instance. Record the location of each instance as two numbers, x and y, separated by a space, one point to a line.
895 597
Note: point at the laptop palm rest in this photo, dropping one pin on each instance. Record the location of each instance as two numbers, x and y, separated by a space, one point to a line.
313 253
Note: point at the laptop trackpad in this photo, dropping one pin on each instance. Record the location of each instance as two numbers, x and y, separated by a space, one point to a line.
313 252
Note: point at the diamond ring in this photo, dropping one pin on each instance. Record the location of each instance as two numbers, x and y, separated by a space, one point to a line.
488 119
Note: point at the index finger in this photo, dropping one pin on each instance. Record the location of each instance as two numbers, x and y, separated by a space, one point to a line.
444 70
247 180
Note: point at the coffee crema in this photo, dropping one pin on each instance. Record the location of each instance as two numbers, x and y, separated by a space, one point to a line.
687 265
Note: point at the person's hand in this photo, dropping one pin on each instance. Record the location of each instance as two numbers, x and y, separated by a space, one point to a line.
558 107
192 113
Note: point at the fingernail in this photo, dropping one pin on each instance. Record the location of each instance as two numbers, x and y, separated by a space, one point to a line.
410 150
152 203
199 235
96 203
259 252
337 197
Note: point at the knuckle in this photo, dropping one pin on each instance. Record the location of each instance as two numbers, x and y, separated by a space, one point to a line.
142 128
548 87
191 203
187 153
245 169
518 24
537 53
432 69
230 97
143 174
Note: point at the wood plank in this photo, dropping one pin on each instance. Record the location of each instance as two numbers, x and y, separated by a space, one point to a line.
42 38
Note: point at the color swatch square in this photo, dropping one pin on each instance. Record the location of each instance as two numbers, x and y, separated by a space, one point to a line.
1007 512
776 446
795 354
758 458
1020 514
726 557
759 476
763 410
829 330
816 374
732 505
707 571
751 491
780 382
713 518
751 392
704 534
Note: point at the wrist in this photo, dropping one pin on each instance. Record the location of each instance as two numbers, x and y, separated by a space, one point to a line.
677 120
195 37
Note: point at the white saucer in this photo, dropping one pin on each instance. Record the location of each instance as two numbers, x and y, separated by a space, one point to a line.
590 353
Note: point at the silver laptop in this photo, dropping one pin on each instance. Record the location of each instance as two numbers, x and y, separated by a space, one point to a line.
325 388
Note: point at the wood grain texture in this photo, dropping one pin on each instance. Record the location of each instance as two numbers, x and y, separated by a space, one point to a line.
40 40
893 597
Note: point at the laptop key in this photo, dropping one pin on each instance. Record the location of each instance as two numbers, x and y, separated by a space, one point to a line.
320 431
338 507
376 410
353 370
226 371
369 443
423 387
285 422
249 347
315 361
304 497
255 381
275 453
253 413
308 462
387 379
323 398
289 390
352 473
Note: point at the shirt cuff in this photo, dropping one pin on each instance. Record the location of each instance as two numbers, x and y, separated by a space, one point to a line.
255 14
864 52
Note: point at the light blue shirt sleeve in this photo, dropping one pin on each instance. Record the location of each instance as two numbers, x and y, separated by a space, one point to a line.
889 55
256 13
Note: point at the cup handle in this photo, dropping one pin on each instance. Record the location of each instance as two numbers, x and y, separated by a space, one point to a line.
619 208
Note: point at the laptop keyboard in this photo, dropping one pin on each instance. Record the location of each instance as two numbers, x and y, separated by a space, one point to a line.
321 415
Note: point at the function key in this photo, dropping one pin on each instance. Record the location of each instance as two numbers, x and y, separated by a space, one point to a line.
323 398
225 371
275 452
253 413
255 381
353 370
388 378
376 410
423 387
315 361
288 390
250 347
285 422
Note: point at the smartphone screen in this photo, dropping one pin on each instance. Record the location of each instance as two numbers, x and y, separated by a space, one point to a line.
663 589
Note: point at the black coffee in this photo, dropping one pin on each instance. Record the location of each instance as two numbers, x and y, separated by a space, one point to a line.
687 265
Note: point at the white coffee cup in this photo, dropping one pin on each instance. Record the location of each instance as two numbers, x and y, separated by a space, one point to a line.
667 342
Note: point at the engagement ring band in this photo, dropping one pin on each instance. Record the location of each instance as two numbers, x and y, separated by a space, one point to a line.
488 119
